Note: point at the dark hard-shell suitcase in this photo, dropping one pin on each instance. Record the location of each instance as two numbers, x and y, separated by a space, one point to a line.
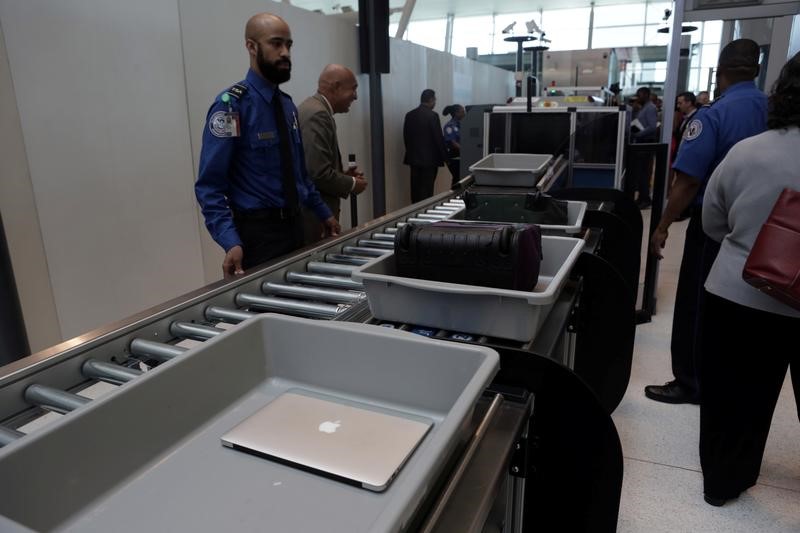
498 204
505 256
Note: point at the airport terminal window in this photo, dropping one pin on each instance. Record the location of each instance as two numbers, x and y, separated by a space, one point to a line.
627 15
617 36
567 28
430 33
472 32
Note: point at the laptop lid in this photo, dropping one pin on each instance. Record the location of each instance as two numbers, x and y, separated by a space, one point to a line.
356 445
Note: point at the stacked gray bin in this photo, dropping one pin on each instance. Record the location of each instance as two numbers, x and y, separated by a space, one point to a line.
503 313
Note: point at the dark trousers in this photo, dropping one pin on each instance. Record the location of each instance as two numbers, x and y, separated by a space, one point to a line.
422 179
265 238
699 253
641 167
745 356
454 165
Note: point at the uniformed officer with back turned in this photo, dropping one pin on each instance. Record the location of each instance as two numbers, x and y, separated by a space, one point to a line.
252 176
740 112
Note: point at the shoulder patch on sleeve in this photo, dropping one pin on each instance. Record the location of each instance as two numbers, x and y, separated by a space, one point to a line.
237 91
216 124
693 130
448 129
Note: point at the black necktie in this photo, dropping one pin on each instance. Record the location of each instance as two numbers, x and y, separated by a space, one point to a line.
287 169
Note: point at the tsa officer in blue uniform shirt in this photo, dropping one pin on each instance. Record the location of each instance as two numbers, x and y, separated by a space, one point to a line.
452 139
740 112
252 177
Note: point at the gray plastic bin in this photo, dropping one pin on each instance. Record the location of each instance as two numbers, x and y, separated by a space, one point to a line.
148 457
503 313
510 170
575 213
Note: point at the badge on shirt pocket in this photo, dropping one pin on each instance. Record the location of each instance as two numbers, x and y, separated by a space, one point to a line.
224 124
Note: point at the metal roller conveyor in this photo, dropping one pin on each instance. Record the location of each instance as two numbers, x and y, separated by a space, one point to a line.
346 259
8 435
418 220
297 307
54 399
432 216
391 231
384 236
322 280
361 250
155 350
109 372
337 296
194 331
440 209
376 243
319 267
228 315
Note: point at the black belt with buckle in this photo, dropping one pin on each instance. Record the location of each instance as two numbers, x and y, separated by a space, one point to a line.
269 213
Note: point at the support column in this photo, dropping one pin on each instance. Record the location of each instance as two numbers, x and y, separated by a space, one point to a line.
448 34
673 61
591 26
369 17
778 49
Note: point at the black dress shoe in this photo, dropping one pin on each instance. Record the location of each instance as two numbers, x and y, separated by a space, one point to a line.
672 392
716 502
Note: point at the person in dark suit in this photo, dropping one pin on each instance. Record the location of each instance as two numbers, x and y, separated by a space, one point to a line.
425 148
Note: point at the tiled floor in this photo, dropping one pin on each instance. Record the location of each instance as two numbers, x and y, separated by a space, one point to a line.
663 485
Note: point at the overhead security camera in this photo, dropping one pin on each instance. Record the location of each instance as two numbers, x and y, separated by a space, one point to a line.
532 26
510 27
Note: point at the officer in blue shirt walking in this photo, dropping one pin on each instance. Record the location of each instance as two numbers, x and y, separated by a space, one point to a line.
452 139
252 177
740 112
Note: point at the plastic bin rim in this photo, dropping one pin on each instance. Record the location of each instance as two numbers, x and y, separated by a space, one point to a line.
535 298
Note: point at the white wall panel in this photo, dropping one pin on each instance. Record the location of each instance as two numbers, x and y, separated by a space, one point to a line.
18 207
101 97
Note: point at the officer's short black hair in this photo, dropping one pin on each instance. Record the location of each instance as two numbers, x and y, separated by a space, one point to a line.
738 61
643 90
689 97
784 100
428 95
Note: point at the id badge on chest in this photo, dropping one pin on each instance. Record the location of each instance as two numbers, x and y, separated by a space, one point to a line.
225 124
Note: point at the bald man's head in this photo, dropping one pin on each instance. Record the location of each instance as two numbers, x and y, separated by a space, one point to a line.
338 85
269 41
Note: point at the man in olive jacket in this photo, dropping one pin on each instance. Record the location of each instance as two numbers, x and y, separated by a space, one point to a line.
337 89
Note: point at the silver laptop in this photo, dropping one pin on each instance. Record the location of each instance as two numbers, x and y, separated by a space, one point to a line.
344 442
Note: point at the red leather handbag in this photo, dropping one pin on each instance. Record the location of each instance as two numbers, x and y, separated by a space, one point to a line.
773 265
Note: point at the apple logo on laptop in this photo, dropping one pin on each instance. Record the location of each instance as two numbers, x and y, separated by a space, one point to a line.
330 426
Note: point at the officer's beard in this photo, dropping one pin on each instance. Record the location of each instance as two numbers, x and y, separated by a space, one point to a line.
271 71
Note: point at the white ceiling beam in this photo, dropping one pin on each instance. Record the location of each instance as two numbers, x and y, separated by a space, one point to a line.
408 8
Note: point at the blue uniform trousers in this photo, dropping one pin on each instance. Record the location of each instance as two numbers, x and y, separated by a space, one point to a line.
699 253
